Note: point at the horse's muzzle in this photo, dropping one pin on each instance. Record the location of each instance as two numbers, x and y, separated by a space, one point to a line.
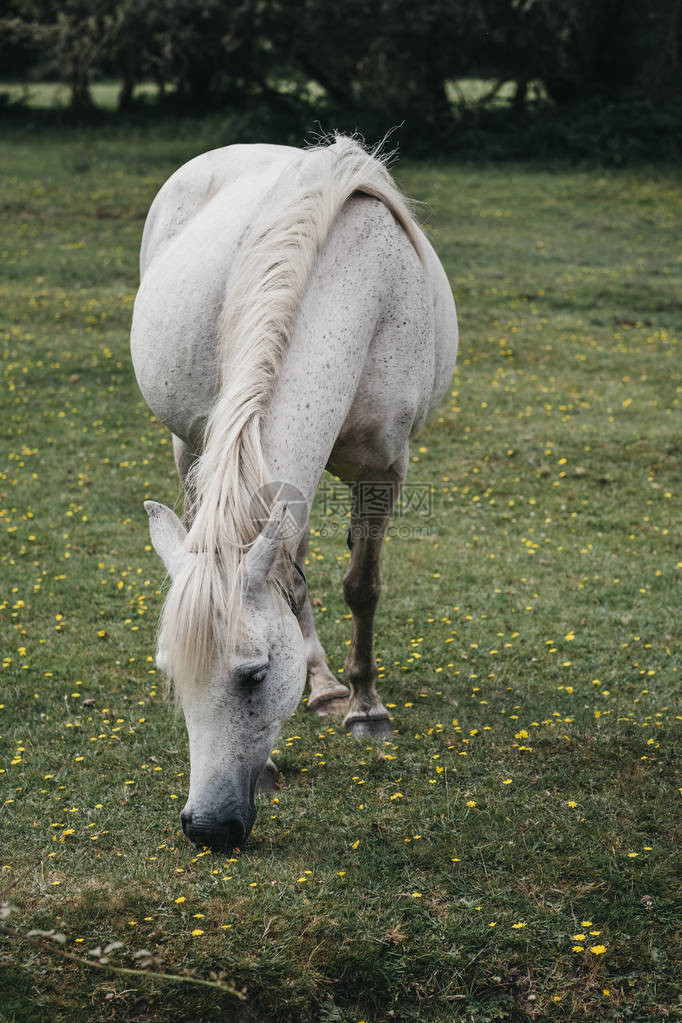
222 834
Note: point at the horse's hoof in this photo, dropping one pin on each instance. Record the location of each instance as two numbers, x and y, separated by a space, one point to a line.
267 779
371 728
332 701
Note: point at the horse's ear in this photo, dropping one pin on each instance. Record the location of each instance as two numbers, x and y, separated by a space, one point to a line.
258 561
167 533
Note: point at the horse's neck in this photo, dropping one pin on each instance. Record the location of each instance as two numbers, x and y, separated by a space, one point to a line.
324 359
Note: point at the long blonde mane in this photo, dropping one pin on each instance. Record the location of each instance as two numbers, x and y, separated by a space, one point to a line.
199 624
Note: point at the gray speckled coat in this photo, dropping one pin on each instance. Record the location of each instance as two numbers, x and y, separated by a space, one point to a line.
369 356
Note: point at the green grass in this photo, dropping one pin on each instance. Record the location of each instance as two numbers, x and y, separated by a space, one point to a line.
530 643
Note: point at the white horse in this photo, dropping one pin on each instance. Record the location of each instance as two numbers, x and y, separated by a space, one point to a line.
291 316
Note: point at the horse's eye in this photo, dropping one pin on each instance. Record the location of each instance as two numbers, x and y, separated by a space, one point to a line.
251 675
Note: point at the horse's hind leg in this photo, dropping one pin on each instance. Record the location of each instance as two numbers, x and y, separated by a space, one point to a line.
372 506
327 695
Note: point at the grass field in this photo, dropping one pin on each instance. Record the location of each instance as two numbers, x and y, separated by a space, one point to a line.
513 854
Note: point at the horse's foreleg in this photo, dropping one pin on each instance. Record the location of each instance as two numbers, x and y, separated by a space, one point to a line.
372 505
184 458
327 695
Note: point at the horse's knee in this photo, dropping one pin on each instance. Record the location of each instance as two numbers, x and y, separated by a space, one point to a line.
363 593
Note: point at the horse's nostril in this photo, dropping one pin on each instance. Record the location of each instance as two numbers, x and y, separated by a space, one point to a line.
219 835
236 832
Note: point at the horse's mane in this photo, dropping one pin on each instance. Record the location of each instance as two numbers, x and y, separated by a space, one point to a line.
264 291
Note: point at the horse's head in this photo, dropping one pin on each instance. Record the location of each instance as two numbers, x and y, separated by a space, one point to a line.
233 717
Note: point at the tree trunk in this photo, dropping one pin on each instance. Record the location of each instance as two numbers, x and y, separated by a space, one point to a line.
520 94
125 96
81 97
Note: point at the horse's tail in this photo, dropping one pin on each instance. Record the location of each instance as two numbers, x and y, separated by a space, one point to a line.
264 292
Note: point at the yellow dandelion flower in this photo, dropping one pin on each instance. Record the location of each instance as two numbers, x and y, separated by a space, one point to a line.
597 950
196 932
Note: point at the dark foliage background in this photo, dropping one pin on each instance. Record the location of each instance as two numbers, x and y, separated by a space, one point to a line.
581 76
